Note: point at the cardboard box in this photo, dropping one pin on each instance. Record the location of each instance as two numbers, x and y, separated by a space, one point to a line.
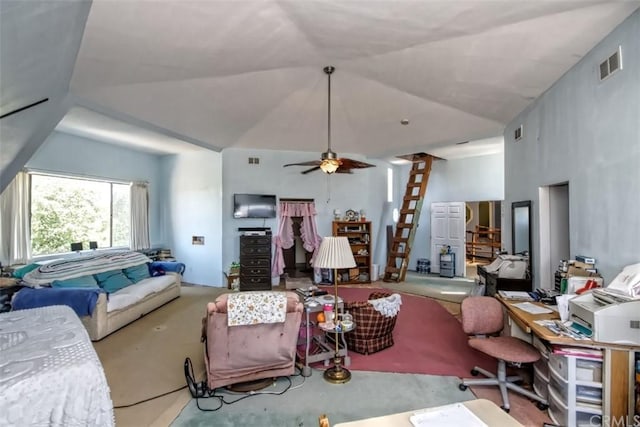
579 272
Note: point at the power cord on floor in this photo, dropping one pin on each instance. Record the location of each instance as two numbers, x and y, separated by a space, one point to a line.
151 398
219 393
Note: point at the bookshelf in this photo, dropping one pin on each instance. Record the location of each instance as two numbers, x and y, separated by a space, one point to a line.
359 235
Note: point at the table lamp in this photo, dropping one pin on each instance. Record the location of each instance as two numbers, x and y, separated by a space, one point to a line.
335 253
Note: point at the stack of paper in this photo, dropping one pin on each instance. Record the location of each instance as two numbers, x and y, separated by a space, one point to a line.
450 415
532 308
515 295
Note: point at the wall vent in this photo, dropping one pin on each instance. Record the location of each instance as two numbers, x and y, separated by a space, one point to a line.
517 134
254 160
612 64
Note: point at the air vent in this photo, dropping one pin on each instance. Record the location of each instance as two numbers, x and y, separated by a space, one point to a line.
517 134
611 64
254 160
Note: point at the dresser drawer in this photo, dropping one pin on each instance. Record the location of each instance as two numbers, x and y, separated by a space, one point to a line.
255 241
249 263
255 251
255 283
254 271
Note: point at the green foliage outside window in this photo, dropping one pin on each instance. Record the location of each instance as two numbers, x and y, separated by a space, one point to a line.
68 210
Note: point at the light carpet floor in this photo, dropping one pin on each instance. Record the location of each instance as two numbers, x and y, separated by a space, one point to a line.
146 359
368 394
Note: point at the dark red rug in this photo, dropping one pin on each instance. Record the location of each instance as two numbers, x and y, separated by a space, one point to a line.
428 340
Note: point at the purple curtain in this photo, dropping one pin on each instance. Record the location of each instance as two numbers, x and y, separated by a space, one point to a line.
308 232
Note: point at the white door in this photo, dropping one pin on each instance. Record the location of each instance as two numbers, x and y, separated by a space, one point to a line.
448 229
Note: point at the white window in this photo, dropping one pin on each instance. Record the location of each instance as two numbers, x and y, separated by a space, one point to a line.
66 210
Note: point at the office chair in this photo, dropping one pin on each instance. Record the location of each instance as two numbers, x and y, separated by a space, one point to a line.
481 318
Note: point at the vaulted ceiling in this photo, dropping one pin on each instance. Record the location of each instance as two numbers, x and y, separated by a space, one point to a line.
248 73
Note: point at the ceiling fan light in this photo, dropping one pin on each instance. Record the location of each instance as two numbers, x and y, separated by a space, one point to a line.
329 165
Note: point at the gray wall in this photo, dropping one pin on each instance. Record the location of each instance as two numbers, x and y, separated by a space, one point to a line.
70 154
192 206
364 189
587 133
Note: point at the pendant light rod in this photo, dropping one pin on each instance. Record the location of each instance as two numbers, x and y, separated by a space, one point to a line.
328 70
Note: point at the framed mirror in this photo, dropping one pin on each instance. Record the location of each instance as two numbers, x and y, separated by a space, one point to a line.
521 228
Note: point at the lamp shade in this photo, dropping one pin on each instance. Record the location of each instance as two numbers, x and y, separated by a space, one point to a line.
334 252
329 165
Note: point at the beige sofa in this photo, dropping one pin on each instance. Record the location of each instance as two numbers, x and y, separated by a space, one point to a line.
130 304
122 302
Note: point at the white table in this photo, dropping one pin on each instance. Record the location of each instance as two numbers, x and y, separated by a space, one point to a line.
487 411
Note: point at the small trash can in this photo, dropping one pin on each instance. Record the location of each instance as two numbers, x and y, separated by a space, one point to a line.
448 264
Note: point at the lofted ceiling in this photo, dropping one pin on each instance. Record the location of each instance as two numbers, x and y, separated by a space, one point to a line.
249 73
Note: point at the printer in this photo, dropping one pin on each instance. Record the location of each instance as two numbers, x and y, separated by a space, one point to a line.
612 314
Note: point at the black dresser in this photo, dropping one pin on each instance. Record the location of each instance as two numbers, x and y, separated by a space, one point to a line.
255 262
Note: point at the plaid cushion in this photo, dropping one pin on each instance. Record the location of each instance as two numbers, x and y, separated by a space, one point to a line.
373 332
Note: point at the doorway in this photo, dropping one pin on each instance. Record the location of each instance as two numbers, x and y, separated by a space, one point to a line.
297 261
554 231
483 232
448 234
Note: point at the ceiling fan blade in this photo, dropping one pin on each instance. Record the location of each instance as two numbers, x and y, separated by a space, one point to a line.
354 164
310 170
309 163
343 170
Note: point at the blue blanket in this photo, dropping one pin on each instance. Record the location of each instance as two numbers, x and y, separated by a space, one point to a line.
82 301
162 266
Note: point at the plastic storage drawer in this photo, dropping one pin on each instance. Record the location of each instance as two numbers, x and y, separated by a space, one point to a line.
589 370
562 415
559 363
586 369
540 384
585 393
542 367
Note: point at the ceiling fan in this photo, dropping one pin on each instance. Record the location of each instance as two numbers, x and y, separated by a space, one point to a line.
329 161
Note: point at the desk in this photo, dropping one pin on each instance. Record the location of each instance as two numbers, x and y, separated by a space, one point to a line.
487 411
494 283
617 360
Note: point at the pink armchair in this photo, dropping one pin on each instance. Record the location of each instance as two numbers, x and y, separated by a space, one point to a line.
237 354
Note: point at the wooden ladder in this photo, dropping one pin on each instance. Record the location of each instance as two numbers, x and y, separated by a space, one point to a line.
408 220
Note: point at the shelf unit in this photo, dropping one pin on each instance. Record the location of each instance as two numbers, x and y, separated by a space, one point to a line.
575 389
359 235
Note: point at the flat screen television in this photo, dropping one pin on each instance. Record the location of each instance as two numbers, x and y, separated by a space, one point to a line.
254 206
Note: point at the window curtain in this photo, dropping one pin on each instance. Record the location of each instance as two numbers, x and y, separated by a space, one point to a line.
140 216
308 232
15 230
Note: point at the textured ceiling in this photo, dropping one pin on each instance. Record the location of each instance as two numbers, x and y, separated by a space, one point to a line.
249 73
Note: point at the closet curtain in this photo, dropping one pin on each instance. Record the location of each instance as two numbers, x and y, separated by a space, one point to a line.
140 216
15 234
308 232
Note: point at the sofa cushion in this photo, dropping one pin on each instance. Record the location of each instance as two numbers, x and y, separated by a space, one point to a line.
79 282
137 273
112 281
131 295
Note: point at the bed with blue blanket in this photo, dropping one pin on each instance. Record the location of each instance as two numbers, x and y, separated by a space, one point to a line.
107 290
